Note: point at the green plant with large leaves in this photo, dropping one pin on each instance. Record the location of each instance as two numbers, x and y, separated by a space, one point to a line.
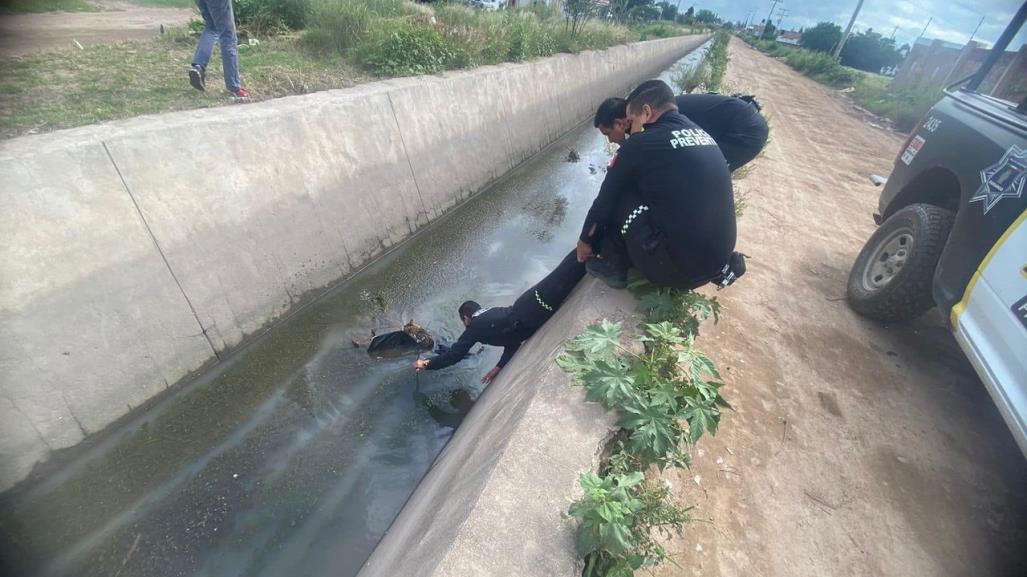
666 394
619 515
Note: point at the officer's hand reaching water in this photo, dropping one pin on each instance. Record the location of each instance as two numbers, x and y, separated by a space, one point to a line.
487 379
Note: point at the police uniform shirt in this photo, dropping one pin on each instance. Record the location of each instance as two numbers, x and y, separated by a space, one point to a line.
492 326
677 170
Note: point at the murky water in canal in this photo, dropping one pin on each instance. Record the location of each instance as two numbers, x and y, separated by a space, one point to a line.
295 455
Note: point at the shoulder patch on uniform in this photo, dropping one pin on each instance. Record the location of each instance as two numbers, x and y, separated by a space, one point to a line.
1004 179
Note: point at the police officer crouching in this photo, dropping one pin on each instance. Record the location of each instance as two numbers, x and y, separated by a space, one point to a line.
666 206
734 122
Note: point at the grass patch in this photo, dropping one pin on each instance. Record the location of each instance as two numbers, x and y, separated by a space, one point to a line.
104 83
341 43
708 75
398 38
34 6
903 107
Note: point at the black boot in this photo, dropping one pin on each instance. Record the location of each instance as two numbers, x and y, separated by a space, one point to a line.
613 272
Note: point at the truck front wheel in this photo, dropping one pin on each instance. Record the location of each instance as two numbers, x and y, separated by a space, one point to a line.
891 279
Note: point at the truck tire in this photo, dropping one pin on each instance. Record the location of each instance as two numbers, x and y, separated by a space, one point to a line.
891 278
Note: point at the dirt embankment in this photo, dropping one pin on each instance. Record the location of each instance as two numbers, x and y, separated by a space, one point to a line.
855 448
116 22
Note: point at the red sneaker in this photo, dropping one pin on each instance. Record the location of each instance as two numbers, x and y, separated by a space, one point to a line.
241 95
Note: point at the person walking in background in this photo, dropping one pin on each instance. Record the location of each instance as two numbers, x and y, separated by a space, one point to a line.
220 27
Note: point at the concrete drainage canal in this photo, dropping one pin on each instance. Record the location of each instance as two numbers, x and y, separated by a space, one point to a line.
295 455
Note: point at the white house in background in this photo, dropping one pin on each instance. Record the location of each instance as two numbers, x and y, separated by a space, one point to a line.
789 37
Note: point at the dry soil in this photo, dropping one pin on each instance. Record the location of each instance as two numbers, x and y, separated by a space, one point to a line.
116 22
855 448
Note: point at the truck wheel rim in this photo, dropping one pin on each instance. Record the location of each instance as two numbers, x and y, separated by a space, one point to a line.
888 259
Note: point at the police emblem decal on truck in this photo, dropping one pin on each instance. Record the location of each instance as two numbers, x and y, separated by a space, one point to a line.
1004 179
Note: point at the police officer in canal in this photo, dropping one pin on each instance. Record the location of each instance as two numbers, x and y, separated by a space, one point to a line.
666 206
508 327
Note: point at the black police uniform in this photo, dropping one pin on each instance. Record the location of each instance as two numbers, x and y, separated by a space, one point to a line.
508 327
736 124
667 203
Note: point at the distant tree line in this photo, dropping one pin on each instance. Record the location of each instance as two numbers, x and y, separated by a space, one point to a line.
866 50
626 11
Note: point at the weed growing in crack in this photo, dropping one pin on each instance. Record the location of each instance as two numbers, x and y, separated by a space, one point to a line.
666 394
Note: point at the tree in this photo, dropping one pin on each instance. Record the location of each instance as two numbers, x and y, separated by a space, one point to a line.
578 12
821 38
870 51
705 16
625 10
668 11
769 31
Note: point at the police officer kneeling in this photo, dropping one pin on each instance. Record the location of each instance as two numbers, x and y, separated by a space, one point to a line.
666 205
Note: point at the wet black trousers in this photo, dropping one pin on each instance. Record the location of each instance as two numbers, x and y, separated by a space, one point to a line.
533 308
631 239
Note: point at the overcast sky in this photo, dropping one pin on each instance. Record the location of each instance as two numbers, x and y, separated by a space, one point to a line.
954 20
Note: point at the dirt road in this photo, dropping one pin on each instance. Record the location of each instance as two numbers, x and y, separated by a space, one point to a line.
117 22
855 449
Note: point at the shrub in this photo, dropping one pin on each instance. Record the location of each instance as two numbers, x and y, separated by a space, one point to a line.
904 107
666 398
659 29
271 16
339 26
410 50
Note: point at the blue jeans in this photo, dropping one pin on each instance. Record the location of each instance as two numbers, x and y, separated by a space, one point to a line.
220 21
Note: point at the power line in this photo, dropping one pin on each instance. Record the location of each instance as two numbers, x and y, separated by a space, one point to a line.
781 16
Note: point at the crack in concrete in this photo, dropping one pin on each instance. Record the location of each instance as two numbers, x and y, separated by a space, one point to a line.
29 420
156 244
74 417
406 154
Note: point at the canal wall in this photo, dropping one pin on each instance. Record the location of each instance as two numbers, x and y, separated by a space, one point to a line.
138 252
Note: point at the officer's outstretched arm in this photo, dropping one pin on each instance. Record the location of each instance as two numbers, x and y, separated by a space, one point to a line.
455 354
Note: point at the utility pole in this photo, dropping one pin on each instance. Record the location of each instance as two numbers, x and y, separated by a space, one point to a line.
924 31
848 30
767 22
975 30
748 19
781 16
893 32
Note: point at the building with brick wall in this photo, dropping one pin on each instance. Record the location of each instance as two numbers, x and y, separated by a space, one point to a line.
933 62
